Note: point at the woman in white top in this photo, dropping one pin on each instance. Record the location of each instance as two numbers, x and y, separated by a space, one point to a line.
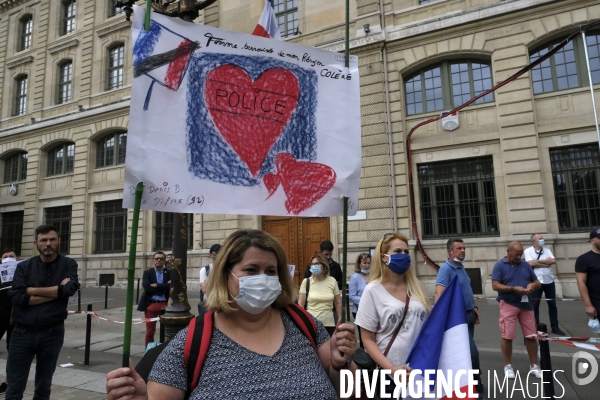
382 303
323 294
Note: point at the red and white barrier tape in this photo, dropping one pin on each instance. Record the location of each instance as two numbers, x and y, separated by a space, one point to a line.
556 299
134 321
574 341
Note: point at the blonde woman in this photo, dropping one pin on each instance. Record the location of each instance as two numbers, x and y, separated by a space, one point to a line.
323 293
382 304
253 339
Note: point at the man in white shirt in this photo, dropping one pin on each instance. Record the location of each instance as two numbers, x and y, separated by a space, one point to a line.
541 260
204 271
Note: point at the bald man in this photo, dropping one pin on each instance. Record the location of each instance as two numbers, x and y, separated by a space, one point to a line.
514 280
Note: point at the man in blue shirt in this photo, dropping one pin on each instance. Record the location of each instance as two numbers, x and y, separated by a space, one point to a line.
156 283
451 268
514 280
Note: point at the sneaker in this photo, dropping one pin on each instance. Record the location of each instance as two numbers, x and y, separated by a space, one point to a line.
536 370
3 387
508 372
556 329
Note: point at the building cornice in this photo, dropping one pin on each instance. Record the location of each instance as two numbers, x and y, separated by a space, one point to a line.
8 4
15 62
56 47
365 43
424 26
75 115
104 30
454 19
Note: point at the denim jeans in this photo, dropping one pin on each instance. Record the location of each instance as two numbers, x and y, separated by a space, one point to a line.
24 345
549 290
471 318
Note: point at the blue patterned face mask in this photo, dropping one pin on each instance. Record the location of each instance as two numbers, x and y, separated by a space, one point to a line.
398 263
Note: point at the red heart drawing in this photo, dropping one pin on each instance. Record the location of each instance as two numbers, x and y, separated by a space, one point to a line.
304 182
251 116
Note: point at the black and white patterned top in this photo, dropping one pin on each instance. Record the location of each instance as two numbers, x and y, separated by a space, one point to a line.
231 371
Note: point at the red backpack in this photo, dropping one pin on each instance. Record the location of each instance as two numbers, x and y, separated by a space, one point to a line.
201 327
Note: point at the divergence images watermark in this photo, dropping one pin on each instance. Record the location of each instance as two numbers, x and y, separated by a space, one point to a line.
429 384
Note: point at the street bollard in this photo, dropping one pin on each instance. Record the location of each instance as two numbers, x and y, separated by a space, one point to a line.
79 299
546 365
106 297
137 296
88 336
162 328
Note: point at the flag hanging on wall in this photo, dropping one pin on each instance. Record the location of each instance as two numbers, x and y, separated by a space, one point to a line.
267 24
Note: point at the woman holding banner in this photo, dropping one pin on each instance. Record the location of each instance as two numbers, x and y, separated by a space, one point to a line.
257 350
319 293
393 305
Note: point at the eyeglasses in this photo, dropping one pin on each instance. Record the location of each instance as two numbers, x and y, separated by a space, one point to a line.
159 259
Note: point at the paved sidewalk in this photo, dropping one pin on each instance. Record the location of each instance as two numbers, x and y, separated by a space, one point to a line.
88 382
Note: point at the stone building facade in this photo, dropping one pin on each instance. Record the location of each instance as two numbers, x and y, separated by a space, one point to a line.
523 160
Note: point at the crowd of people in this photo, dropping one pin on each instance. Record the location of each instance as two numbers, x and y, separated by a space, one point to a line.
268 338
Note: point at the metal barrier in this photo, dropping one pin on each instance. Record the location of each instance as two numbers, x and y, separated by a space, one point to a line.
88 336
546 364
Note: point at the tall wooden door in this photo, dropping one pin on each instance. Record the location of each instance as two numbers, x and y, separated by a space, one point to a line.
300 238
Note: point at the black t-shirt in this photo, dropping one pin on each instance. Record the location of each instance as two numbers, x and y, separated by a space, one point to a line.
590 263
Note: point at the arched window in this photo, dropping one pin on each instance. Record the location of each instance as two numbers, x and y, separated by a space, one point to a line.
447 85
116 61
68 14
593 46
566 69
60 159
25 32
15 167
65 81
20 95
111 150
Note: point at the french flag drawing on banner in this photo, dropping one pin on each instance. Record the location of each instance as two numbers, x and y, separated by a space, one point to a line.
267 24
443 344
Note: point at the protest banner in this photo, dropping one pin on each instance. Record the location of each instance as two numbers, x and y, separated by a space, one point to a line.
228 123
7 270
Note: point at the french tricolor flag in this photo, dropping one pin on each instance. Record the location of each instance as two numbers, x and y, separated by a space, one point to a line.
443 344
267 24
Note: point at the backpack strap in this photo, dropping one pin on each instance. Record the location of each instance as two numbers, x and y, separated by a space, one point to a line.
195 348
304 321
307 290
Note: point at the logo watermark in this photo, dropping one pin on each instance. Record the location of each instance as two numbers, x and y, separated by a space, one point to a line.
584 368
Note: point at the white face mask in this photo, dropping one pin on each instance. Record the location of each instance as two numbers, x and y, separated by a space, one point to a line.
257 292
458 260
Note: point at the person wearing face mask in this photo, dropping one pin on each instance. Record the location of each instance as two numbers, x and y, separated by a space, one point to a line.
255 350
541 260
387 331
448 270
319 294
358 282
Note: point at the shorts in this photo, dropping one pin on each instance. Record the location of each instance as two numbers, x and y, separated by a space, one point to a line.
508 321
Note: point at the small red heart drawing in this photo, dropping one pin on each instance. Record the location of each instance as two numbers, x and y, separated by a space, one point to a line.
251 116
304 182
